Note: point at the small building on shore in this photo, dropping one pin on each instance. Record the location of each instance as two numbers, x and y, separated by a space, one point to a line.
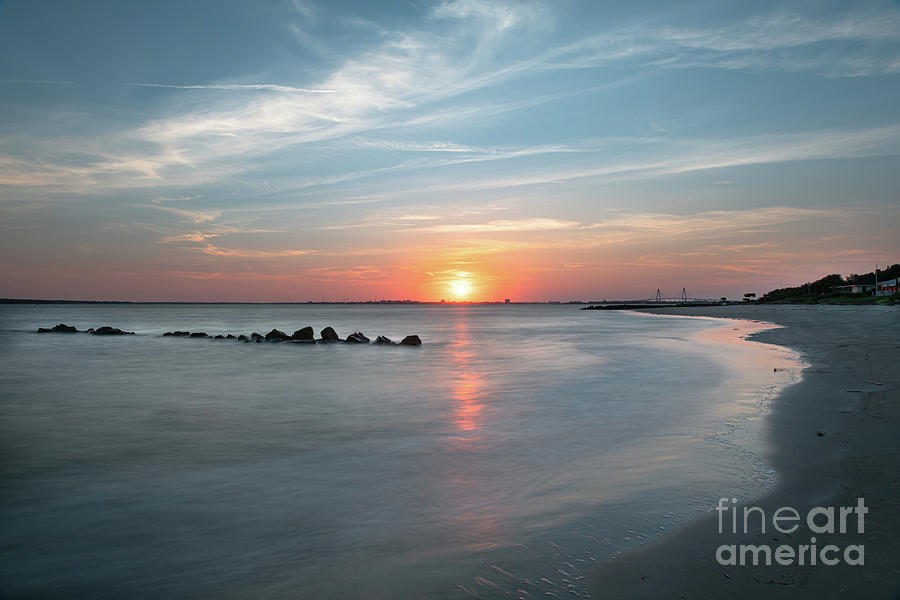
887 288
854 288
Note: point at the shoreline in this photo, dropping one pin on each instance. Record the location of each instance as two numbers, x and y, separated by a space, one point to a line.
855 457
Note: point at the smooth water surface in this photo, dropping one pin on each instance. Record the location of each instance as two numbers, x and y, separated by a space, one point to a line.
519 445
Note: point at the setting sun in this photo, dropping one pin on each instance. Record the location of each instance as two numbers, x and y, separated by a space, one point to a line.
461 288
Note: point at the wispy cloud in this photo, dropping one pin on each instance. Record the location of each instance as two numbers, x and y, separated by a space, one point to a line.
680 156
783 41
192 215
195 236
266 87
506 226
406 77
215 275
246 253
160 199
212 230
714 223
406 72
355 272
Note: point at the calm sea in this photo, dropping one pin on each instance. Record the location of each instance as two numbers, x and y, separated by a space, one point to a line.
513 450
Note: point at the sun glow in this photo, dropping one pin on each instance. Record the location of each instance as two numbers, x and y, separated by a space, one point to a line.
461 288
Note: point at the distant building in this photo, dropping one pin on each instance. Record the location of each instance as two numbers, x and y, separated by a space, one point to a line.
887 288
854 288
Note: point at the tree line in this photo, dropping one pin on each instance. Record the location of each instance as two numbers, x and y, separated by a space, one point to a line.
824 287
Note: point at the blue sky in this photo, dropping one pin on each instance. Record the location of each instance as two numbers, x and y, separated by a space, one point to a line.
293 150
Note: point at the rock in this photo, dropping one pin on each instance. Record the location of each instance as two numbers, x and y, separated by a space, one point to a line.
243 338
384 341
230 337
820 433
411 340
220 337
106 330
181 333
357 338
277 336
199 334
303 335
61 328
255 336
330 335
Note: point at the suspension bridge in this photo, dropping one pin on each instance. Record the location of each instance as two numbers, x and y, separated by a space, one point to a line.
656 302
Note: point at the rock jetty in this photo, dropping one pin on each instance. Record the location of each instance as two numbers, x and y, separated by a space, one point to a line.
304 335
107 330
61 328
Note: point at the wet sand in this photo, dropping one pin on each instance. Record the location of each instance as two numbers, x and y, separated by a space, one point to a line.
850 392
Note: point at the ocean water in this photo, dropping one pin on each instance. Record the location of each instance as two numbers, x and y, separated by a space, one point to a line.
513 450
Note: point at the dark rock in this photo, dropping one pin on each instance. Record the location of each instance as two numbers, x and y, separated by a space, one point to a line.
220 337
357 338
382 341
243 338
106 330
277 336
303 335
181 333
61 328
411 340
255 336
330 335
199 334
168 333
303 341
230 337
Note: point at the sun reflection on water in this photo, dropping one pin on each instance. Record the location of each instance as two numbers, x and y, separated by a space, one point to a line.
476 500
467 386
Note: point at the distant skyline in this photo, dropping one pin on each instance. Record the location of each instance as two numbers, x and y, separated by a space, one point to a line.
290 150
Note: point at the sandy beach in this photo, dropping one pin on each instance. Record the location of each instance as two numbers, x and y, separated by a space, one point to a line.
849 395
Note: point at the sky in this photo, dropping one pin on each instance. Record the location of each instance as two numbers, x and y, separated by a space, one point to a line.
291 150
